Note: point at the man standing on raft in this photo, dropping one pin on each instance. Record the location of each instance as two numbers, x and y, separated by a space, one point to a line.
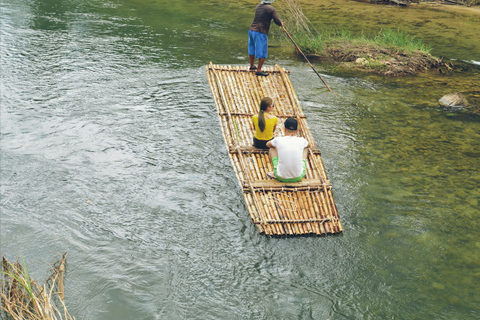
288 154
257 35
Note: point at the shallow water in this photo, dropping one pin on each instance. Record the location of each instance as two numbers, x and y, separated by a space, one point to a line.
111 151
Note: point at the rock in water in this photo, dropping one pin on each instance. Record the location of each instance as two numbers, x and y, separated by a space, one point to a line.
453 100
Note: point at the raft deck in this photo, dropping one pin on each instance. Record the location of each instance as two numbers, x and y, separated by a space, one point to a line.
276 208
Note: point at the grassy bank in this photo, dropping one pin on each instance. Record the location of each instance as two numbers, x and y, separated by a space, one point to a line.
386 38
389 52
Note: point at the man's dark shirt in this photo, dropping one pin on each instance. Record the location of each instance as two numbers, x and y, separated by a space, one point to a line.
264 13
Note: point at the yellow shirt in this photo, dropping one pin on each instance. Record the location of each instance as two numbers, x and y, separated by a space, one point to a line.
267 134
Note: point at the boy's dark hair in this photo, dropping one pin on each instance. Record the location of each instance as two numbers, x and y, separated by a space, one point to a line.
291 124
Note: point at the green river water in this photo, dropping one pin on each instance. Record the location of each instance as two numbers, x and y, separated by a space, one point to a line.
111 151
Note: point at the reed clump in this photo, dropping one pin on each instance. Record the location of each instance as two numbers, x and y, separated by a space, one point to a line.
22 298
388 52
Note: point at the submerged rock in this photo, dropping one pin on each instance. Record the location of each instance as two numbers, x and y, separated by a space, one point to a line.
454 100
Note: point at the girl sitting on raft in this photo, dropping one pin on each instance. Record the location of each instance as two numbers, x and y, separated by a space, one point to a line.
264 123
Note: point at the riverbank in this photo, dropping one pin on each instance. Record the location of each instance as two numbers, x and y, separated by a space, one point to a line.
371 58
451 30
367 51
446 34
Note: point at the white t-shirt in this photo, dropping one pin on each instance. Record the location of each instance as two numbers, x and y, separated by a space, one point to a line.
290 156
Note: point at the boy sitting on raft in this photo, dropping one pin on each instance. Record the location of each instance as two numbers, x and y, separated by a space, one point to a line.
288 154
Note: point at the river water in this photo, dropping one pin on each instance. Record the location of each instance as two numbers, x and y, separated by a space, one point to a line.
111 151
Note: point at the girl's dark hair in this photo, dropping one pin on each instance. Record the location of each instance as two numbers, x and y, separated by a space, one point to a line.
264 104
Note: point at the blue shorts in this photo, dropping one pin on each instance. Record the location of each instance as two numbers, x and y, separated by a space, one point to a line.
257 44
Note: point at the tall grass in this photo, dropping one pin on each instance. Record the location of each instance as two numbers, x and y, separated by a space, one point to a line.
388 38
400 40
22 298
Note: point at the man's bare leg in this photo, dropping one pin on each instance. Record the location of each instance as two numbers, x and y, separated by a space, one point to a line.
260 64
252 61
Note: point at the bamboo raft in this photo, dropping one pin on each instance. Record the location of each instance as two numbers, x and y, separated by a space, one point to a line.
276 208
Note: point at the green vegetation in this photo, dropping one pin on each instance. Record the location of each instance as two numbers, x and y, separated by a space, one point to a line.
388 38
388 52
398 40
401 41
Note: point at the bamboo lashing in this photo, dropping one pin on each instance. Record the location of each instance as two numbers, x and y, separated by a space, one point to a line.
276 208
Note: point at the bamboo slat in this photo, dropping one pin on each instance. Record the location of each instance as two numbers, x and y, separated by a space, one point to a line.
276 208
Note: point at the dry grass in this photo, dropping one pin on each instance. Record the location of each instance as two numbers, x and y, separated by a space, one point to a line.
293 16
22 298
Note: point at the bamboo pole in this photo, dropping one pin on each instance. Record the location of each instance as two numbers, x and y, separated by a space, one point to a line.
253 161
327 194
272 214
280 212
238 167
291 227
253 215
248 161
307 226
323 212
306 210
270 196
293 212
243 132
266 159
224 100
291 92
316 213
235 92
327 212
242 91
310 212
298 212
261 166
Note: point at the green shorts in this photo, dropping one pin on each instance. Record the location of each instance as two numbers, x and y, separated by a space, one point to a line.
275 164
